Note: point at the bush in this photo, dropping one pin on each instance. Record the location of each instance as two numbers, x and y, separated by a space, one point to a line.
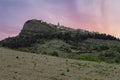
110 57
68 70
101 48
89 57
63 74
55 54
66 49
44 53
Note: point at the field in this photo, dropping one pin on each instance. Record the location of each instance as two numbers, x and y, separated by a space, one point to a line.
15 65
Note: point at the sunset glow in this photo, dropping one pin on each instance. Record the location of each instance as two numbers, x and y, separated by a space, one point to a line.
94 15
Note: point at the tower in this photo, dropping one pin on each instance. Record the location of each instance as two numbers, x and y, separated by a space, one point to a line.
58 24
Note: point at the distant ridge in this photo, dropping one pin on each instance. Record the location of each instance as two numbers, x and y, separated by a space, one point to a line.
39 26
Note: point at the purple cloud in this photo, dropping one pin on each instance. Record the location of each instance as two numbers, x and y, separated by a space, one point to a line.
94 15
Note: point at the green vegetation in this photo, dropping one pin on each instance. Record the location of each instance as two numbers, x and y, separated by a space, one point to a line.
48 39
55 54
90 57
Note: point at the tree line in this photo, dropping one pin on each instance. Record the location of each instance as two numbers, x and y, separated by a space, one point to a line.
76 37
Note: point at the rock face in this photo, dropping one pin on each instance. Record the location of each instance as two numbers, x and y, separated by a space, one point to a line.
34 27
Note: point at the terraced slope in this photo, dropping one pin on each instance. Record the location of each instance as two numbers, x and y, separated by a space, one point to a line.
15 65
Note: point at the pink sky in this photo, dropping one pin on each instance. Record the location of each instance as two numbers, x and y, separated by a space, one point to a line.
93 15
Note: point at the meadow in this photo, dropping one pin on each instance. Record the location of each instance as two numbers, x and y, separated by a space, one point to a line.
16 65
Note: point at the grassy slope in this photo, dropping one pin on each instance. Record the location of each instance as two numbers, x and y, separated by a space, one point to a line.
49 47
90 50
15 65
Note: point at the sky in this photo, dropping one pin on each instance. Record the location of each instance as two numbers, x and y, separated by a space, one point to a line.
94 15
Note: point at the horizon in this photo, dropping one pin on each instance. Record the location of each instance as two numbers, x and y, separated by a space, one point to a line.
96 15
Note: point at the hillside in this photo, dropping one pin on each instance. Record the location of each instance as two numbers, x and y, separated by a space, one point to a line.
41 37
16 65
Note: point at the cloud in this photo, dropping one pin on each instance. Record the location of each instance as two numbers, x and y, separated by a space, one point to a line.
97 15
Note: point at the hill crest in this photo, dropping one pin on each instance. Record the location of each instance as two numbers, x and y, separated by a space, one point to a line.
42 38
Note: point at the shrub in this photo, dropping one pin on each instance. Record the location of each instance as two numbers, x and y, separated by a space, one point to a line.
68 70
110 56
55 54
66 49
101 48
89 57
63 74
44 52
